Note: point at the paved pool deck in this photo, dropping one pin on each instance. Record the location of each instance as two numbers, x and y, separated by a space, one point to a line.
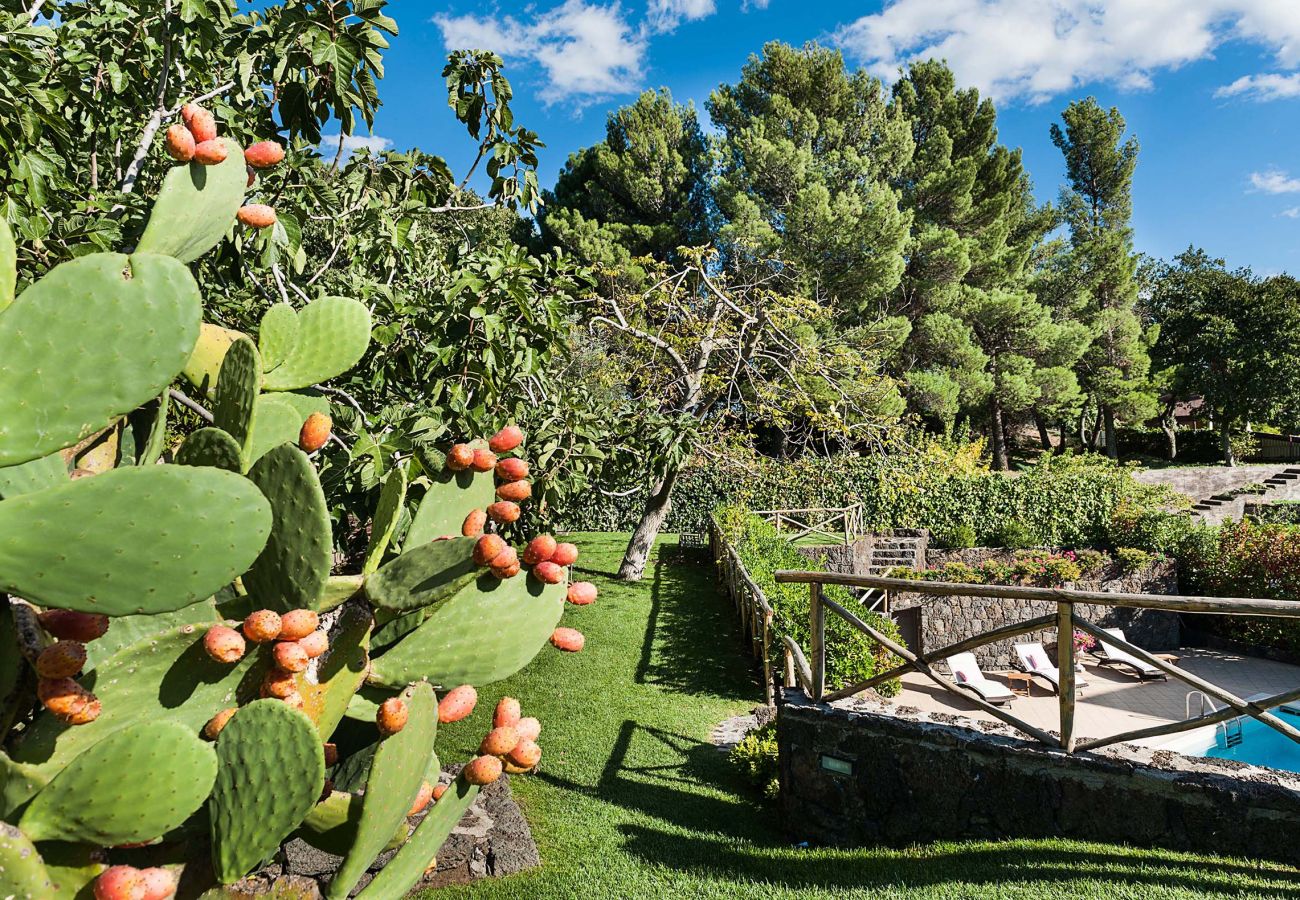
1113 702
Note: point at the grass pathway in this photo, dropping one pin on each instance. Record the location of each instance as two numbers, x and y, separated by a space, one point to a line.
632 801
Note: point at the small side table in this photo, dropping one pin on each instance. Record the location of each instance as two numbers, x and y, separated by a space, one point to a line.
1023 680
1171 658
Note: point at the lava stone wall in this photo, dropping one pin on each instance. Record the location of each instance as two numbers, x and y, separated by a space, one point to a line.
919 779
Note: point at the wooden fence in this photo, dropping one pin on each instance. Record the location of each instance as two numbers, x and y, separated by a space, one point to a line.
1276 447
811 674
752 606
838 523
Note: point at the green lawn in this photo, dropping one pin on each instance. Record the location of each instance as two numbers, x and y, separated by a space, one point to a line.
632 801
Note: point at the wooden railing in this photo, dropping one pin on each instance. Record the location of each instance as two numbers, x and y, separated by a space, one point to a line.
811 675
840 523
752 606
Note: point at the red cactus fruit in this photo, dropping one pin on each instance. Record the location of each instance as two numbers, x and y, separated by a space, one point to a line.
73 626
506 439
528 728
218 722
119 883
422 798
507 572
582 593
294 700
565 555
278 684
499 741
526 754
264 154
201 123
539 549
506 714
252 176
482 770
570 640
488 548
457 703
259 215
225 645
512 469
159 883
484 460
503 512
298 623
290 657
438 791
61 660
315 431
515 491
210 153
331 752
392 715
180 143
506 559
474 522
262 626
67 701
189 111
548 572
460 457
314 644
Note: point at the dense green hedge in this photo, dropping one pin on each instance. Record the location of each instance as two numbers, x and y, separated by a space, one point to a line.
1063 502
851 656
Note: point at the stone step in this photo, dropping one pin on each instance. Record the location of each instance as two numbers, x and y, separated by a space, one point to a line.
1204 507
1293 471
1288 474
1276 482
1224 498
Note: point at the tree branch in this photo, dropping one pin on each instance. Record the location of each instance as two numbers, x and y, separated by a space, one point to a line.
160 108
189 404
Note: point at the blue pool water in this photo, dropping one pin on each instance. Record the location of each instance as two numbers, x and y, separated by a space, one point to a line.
1262 746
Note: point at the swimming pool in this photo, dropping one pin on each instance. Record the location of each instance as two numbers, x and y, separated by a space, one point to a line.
1260 745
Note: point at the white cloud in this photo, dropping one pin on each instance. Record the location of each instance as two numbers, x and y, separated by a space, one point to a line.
588 51
329 145
665 15
1274 181
1263 87
1037 49
1292 213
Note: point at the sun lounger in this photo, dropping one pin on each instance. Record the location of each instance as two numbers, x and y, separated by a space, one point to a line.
1110 655
966 673
1034 660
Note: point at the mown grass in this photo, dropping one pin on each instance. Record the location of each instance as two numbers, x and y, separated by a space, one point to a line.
632 801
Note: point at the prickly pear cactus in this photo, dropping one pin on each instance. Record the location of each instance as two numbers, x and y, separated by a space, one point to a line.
179 641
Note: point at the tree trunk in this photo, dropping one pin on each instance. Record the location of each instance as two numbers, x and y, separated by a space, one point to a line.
1001 462
1169 425
1225 441
652 519
1112 439
1065 434
1044 436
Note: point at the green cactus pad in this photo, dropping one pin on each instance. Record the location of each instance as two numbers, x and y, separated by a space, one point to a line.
488 631
294 567
205 362
332 825
387 513
271 773
48 471
449 499
333 333
135 540
340 673
395 776
72 869
211 447
196 206
424 575
129 630
75 354
22 871
409 863
165 675
396 627
238 385
306 402
8 265
277 335
276 422
134 785
338 590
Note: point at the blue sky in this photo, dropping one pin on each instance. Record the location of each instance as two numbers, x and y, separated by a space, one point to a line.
1211 88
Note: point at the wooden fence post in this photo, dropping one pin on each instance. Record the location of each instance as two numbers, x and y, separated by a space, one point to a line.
1065 665
818 627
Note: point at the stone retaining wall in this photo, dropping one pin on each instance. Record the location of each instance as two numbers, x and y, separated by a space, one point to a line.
915 778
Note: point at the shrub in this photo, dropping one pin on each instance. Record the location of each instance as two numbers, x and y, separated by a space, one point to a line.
756 757
1013 536
1133 559
1091 562
851 656
1149 528
959 537
1281 512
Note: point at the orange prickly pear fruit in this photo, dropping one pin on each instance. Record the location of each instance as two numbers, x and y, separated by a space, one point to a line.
224 644
460 457
457 703
189 111
482 770
503 512
548 572
438 791
159 883
528 728
298 623
61 660
67 701
210 153
484 460
488 548
314 644
73 626
582 593
119 883
506 563
499 742
422 798
262 626
539 549
290 657
392 715
506 439
264 154
515 491
202 124
218 722
474 522
259 215
506 714
569 640
279 684
316 430
565 555
525 755
180 143
512 469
